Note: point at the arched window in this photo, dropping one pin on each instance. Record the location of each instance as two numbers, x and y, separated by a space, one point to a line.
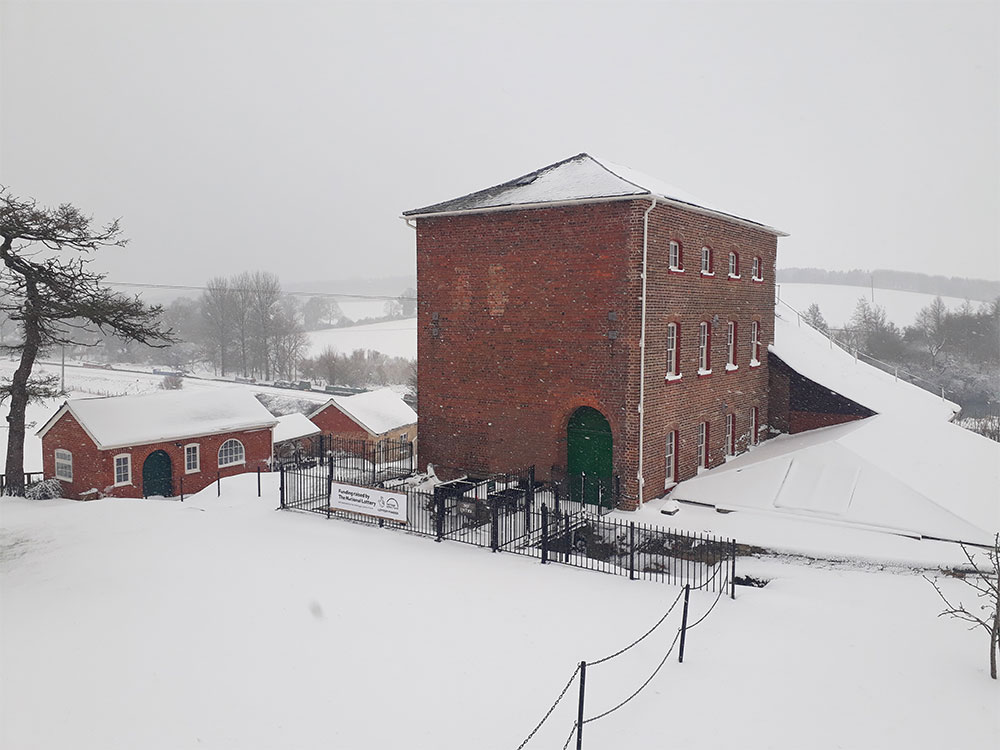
676 259
704 349
671 458
64 465
754 344
231 453
706 261
730 434
673 346
731 346
757 271
734 265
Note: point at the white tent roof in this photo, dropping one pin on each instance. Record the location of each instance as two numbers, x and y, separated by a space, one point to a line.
810 353
121 421
917 477
377 411
579 178
293 427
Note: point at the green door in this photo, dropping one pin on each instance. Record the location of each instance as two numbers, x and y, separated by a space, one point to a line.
588 461
157 475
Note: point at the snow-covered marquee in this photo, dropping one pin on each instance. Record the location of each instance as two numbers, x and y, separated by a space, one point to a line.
155 444
374 415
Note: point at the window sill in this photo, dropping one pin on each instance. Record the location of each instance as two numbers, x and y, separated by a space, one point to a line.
736 277
708 273
703 373
754 363
235 463
673 378
192 471
675 270
123 484
732 368
757 279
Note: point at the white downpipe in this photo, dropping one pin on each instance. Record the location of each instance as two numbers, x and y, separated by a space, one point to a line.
642 340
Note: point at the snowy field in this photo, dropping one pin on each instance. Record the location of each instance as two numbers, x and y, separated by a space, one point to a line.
220 623
837 302
395 338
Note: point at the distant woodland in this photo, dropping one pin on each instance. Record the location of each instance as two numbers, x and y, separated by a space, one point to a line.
981 290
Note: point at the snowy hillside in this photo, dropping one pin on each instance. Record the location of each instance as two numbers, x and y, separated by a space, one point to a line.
395 338
837 302
200 640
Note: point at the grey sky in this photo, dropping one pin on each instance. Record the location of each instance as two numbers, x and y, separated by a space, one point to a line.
289 137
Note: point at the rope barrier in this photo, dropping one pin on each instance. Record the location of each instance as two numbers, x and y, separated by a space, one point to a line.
551 709
718 596
641 687
641 638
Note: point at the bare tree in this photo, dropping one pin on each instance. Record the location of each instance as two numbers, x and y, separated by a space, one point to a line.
984 579
241 300
48 291
931 323
219 317
266 293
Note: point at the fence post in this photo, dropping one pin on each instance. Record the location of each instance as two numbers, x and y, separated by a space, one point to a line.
579 710
545 533
281 485
631 550
439 515
684 622
494 527
218 483
182 489
566 538
374 462
258 480
732 573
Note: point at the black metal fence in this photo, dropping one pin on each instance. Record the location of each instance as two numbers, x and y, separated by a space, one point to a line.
356 460
29 477
511 513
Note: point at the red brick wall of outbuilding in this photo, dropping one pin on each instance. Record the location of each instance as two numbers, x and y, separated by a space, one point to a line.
332 421
94 468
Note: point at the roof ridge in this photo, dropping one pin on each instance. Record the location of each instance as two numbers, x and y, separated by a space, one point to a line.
609 170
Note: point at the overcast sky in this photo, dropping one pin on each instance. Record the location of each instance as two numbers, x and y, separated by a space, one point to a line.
289 137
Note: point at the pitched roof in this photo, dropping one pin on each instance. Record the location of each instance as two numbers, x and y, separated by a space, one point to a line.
121 421
579 179
292 427
377 411
911 476
810 353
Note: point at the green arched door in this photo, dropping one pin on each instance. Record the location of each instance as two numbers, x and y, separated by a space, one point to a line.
157 475
588 459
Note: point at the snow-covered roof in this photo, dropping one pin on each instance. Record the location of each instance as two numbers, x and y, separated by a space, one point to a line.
293 427
810 353
121 421
580 178
920 477
377 411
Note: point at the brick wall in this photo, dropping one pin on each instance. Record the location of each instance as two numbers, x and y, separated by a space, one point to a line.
514 324
94 468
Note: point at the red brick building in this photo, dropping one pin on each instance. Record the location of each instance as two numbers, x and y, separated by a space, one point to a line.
585 318
374 415
141 446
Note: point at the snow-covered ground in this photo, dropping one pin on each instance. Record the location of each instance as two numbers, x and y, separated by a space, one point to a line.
837 302
221 623
395 338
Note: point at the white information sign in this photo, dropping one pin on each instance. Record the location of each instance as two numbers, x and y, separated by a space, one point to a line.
371 502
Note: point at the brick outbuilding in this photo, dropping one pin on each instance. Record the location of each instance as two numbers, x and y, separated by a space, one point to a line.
586 318
141 446
374 415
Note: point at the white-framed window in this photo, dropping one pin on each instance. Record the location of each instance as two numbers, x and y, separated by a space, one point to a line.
734 265
64 465
676 258
756 269
730 434
192 458
673 337
231 453
753 425
704 348
731 346
703 445
706 261
123 469
754 344
671 458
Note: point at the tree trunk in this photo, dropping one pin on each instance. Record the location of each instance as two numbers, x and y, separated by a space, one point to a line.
14 466
994 642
